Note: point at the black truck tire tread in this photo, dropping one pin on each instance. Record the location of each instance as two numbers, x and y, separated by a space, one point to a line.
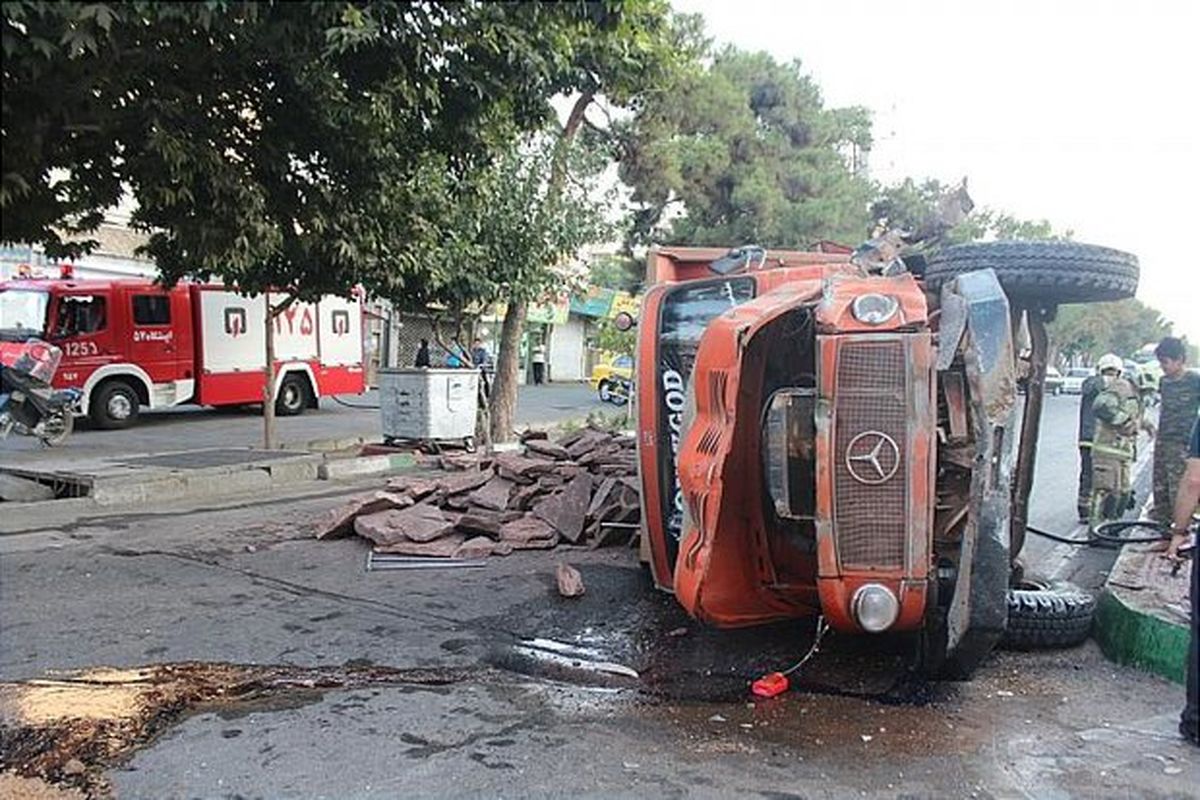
1058 615
1042 273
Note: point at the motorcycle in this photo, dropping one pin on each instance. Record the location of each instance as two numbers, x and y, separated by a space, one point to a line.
618 391
29 405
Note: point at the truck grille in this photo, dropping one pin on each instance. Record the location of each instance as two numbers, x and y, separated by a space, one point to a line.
870 494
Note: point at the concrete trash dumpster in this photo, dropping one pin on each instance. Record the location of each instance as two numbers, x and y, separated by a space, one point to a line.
429 404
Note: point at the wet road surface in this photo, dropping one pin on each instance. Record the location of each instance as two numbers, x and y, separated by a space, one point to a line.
249 587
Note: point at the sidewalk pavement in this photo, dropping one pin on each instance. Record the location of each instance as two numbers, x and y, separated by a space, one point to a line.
100 484
1143 615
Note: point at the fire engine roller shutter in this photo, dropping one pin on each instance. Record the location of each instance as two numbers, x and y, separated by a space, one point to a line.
870 481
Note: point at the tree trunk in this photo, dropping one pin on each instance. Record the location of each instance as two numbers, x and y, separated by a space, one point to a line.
270 439
504 389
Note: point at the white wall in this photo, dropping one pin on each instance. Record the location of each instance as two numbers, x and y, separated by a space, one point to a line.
86 267
566 350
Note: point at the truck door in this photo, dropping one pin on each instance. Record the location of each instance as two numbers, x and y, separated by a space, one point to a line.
154 344
80 324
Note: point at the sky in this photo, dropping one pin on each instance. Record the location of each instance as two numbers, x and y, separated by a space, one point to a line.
1086 114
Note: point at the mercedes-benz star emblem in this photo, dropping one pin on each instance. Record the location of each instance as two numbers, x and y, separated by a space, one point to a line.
872 457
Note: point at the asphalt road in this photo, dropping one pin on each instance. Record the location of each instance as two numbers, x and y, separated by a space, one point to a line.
192 426
1055 482
494 712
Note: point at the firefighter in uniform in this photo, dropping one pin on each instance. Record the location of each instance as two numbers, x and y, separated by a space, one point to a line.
1087 430
1118 411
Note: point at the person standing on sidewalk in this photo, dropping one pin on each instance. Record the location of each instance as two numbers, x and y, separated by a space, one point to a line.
539 363
1179 391
422 359
1186 497
1087 430
482 361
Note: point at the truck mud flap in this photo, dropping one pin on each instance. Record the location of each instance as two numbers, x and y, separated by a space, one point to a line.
977 613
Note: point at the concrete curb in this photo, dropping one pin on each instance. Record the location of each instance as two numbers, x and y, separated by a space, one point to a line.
143 486
1140 639
336 469
1133 624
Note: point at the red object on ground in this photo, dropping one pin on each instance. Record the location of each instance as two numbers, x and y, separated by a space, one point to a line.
770 685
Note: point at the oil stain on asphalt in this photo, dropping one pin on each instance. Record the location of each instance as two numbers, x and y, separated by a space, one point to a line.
66 730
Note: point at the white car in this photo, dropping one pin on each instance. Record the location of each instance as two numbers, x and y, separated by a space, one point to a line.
1054 381
1072 382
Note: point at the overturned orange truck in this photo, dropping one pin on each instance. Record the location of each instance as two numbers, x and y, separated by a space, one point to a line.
821 437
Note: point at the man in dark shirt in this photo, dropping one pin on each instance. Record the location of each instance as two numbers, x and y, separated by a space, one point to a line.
1087 430
1188 495
1179 391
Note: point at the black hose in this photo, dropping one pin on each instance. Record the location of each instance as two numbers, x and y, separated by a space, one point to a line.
1056 538
340 401
1107 532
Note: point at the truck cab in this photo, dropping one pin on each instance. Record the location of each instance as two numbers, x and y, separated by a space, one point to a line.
820 437
125 343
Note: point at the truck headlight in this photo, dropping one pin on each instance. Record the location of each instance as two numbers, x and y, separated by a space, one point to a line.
874 309
875 607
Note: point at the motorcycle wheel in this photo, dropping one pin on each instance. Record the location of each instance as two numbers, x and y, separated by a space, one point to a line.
57 427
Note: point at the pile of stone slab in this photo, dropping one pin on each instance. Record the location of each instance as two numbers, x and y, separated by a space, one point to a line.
579 490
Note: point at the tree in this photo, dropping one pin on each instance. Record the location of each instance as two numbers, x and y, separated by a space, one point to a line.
612 339
745 151
617 271
1083 333
304 147
909 204
623 56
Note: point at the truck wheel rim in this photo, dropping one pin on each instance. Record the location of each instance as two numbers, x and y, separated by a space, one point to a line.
291 396
119 407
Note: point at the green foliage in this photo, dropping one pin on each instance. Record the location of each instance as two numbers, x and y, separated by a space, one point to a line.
1086 332
747 151
909 204
611 340
542 204
504 231
304 145
616 271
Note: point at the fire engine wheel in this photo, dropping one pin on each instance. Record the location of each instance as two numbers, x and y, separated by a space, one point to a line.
1042 273
605 392
1047 615
293 396
114 405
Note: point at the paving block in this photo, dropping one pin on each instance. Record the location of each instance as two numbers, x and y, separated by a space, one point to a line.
203 483
293 471
134 490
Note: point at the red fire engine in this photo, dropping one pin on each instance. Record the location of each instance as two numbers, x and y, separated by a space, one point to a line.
129 344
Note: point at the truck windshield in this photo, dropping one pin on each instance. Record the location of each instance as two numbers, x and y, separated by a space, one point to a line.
686 312
22 313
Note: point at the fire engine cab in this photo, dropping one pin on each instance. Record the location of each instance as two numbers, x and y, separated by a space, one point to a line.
129 344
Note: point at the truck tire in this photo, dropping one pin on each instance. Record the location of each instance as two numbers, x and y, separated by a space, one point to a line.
1042 273
293 395
1042 615
114 405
